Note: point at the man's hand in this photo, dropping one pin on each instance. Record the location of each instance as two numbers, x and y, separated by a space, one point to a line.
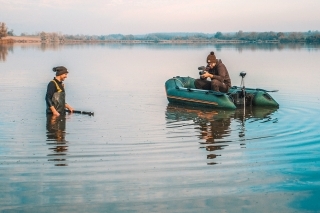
54 111
69 108
205 75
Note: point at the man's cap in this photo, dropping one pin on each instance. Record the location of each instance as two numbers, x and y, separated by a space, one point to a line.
211 58
60 70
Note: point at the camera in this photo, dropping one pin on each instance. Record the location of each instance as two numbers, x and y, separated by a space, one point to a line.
202 68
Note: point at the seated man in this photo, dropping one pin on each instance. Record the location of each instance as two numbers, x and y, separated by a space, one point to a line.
217 72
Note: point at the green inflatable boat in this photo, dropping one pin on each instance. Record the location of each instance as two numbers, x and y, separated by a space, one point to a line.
182 90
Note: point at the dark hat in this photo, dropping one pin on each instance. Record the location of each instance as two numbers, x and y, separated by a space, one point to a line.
211 58
60 70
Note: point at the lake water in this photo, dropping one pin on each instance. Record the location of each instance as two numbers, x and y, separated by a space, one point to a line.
140 154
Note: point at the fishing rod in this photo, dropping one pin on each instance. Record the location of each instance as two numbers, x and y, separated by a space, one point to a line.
81 112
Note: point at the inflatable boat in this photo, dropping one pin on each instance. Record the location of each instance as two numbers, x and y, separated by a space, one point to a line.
182 90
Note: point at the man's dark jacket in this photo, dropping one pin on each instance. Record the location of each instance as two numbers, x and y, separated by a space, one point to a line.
220 73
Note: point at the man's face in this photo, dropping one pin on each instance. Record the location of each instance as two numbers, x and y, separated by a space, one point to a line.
63 76
211 65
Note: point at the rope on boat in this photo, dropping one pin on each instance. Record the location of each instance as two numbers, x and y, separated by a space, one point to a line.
175 79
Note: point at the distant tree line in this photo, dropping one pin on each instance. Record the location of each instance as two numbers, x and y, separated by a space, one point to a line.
51 37
252 37
282 37
240 36
99 37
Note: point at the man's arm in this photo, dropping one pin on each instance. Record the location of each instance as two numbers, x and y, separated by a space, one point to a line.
54 111
69 107
51 89
222 72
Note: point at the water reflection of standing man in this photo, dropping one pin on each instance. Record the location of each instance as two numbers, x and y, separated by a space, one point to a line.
56 126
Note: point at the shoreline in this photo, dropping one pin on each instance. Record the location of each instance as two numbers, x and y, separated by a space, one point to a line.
20 39
37 39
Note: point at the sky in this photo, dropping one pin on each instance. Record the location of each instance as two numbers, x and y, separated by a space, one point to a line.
104 17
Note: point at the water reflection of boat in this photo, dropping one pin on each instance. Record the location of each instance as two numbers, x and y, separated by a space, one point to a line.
214 125
56 139
182 90
180 112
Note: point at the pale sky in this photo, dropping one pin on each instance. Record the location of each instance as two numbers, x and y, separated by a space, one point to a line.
103 17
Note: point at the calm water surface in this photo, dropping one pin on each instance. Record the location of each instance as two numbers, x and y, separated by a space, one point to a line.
140 154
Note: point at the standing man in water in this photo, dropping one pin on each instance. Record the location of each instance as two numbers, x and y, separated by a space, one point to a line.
217 72
56 97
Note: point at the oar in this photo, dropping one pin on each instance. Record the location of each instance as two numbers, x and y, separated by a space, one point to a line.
258 89
263 90
81 112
